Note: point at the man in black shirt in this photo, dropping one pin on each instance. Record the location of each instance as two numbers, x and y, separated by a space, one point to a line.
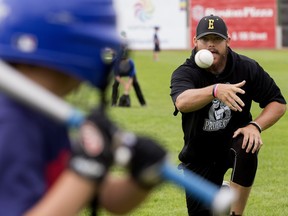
219 131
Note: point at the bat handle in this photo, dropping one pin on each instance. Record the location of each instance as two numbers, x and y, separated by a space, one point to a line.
75 118
208 193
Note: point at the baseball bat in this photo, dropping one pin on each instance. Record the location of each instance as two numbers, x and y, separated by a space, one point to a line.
22 89
208 193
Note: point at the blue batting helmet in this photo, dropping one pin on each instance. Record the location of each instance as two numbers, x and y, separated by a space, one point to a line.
67 35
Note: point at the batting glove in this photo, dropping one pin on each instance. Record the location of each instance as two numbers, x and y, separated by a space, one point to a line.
146 161
92 154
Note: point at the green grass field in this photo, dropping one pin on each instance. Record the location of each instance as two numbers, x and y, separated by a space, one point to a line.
269 194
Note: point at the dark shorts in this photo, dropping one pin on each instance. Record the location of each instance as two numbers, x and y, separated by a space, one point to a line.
156 48
244 166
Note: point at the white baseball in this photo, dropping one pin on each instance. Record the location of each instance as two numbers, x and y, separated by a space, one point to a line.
204 58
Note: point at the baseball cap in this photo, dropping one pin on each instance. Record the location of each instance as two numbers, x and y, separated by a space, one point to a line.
211 25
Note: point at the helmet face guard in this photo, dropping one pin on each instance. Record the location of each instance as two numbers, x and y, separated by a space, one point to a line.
71 36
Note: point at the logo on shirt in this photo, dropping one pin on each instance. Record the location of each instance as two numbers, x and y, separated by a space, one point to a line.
218 117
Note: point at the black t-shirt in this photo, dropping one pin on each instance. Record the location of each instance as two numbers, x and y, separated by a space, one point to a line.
209 129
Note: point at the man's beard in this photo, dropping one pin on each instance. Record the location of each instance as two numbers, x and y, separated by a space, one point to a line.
219 67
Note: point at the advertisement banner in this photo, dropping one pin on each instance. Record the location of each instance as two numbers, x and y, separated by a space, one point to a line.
137 18
251 23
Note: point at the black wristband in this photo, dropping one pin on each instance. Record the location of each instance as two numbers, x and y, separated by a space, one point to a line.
256 125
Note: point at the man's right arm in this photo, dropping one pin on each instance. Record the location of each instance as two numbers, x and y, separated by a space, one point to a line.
195 99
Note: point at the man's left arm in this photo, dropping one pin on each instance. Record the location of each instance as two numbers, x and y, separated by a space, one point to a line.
252 132
270 114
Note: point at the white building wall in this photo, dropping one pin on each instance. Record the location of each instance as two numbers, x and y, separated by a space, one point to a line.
139 17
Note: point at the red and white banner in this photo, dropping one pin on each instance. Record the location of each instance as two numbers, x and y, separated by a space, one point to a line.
250 23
